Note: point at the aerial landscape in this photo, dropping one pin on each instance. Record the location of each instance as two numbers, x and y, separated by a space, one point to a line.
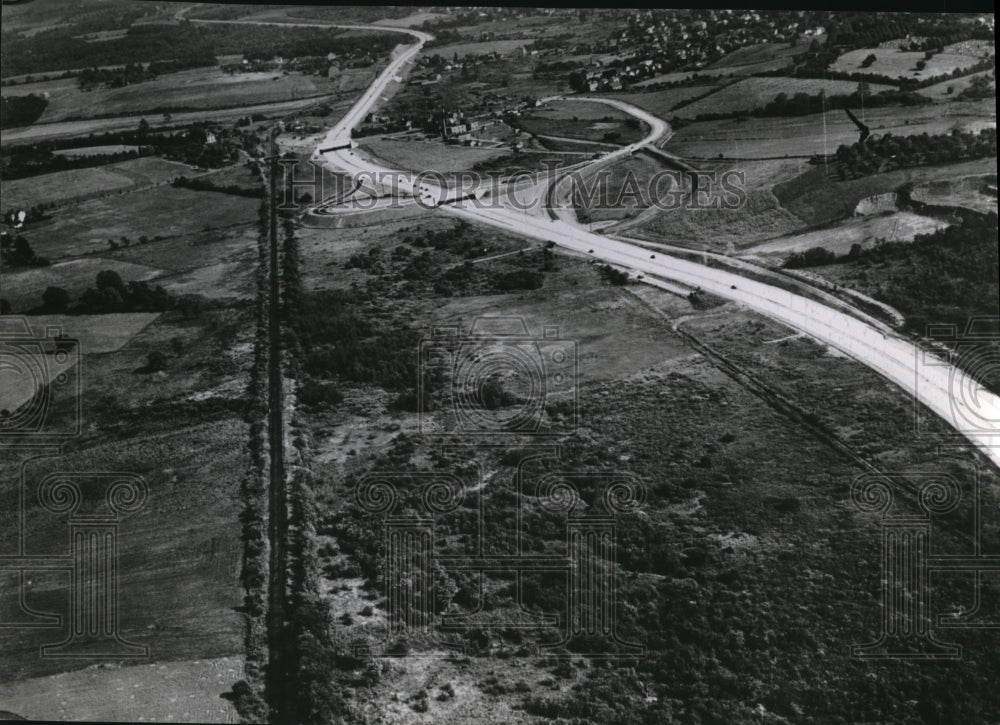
425 364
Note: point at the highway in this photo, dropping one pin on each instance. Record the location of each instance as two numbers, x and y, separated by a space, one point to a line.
946 391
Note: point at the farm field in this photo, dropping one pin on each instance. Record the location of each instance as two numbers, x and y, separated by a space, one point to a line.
63 186
758 137
759 53
897 63
85 228
939 91
752 93
662 102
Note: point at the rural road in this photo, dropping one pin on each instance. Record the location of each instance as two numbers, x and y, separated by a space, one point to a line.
941 387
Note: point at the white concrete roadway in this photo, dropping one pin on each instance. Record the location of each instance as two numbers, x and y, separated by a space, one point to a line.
945 390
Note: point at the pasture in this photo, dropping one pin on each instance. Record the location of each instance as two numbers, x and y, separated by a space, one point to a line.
900 63
758 138
86 228
64 186
752 93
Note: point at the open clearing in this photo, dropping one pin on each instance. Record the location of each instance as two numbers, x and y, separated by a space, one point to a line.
966 191
896 63
63 186
752 93
896 227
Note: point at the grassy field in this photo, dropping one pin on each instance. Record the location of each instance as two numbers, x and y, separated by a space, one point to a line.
752 93
113 693
760 217
86 228
428 155
64 186
896 63
939 91
894 227
662 102
759 53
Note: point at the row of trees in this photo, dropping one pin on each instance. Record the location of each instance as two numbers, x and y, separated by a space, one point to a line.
900 152
254 192
111 294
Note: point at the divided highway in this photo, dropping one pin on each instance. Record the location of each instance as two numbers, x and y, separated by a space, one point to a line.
941 387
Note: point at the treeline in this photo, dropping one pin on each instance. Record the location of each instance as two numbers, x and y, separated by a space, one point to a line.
208 185
248 693
187 144
21 110
20 166
112 294
803 104
138 72
900 152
